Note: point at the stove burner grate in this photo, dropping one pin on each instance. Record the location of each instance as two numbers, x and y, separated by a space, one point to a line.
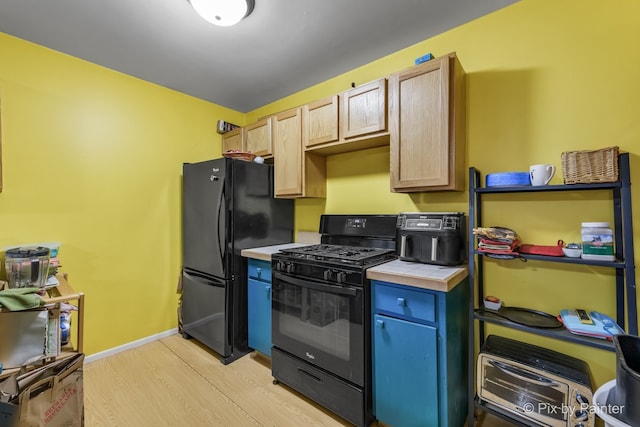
355 255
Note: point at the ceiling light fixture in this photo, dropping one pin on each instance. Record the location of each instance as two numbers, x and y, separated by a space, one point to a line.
223 12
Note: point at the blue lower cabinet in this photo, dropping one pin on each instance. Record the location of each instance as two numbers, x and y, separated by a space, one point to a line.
419 355
405 366
259 306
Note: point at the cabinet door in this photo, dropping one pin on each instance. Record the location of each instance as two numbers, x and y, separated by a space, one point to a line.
364 109
405 373
296 173
320 120
259 316
258 138
287 144
233 140
427 127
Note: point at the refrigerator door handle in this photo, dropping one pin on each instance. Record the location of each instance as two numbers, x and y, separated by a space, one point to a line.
201 279
221 226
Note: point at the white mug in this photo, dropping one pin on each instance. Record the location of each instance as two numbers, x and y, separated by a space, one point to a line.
541 174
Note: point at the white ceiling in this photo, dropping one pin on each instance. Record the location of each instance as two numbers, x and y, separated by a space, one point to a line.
282 47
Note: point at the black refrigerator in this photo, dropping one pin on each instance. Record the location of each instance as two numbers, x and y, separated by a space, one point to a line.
228 205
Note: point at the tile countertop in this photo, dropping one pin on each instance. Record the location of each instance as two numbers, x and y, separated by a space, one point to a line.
264 253
427 276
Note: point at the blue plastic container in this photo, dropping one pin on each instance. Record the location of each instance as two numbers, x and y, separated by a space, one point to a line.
508 179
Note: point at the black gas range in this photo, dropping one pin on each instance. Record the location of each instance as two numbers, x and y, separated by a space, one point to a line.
321 315
336 263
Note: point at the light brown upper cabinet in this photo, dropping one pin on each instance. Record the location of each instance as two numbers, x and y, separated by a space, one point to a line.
257 138
359 116
427 126
364 110
233 140
320 120
296 173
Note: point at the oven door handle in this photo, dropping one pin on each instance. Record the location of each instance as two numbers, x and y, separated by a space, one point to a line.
522 374
316 286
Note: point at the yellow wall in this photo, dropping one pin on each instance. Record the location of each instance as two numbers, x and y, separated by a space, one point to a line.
92 158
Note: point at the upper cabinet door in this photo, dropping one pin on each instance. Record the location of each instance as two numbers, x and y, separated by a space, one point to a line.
288 166
427 126
364 109
320 120
233 140
258 138
296 173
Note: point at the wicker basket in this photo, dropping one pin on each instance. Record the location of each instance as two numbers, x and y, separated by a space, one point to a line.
587 167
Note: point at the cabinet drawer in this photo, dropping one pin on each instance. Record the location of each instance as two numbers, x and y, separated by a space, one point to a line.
260 270
404 302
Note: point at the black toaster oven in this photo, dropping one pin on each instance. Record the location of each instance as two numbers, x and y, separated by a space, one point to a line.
431 237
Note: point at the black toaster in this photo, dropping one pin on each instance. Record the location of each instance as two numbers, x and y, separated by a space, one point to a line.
431 237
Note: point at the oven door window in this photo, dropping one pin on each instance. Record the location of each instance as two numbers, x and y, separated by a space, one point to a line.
320 323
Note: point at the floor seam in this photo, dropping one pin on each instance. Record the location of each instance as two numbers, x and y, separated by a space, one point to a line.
212 384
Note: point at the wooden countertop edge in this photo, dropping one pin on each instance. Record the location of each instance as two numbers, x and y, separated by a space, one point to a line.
421 281
264 253
248 253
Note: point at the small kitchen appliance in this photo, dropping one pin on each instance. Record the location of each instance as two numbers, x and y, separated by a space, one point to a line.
27 266
534 384
431 237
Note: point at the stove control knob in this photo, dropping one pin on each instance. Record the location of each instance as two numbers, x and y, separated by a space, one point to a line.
341 277
581 415
581 399
328 274
290 268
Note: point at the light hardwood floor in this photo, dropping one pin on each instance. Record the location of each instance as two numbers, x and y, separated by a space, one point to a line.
178 382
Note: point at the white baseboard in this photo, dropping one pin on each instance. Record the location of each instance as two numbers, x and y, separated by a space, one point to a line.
130 345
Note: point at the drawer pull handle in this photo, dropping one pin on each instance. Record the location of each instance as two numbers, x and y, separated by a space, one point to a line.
258 272
268 288
402 302
380 323
303 372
